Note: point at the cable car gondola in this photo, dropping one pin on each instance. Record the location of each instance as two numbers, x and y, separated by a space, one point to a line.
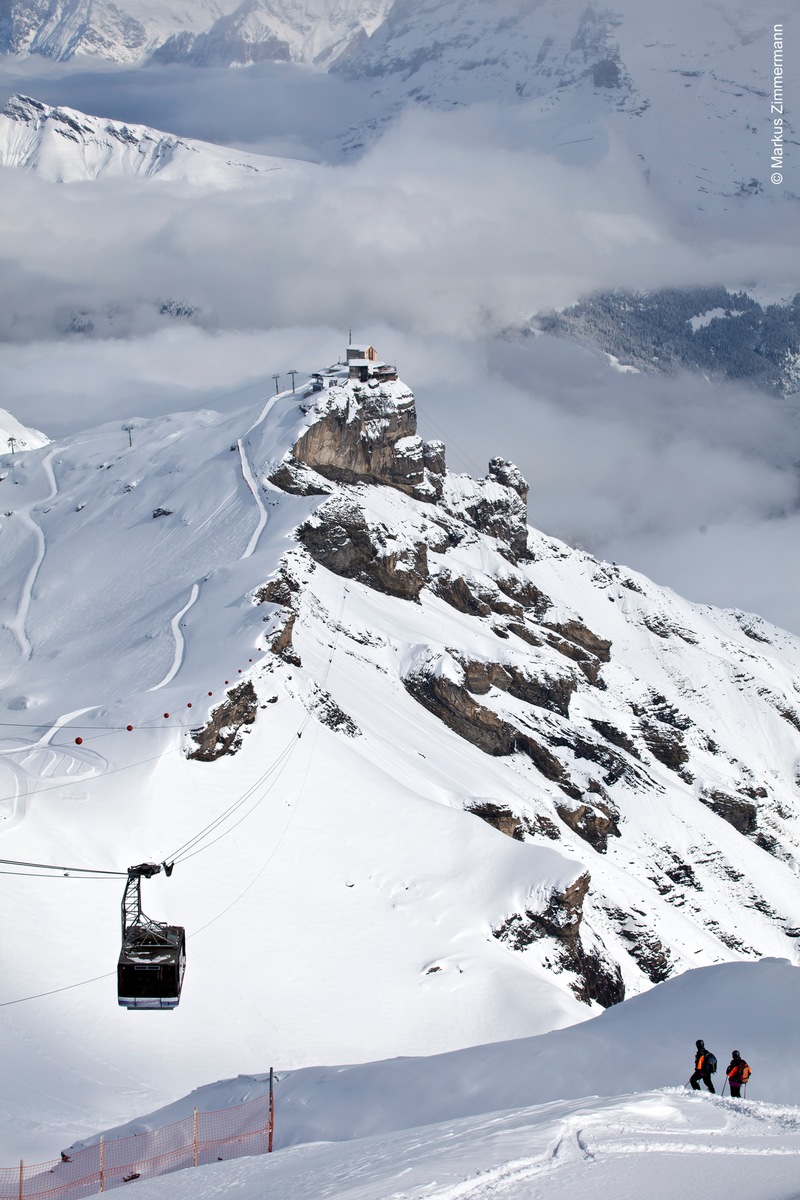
153 955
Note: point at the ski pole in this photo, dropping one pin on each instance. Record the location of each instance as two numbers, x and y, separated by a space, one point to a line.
722 1093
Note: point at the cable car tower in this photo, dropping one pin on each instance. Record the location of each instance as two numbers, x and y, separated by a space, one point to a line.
152 960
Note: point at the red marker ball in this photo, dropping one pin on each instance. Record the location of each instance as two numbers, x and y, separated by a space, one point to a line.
78 741
240 670
211 693
166 714
189 705
226 682
129 728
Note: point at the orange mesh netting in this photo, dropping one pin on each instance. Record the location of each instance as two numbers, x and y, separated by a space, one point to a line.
114 1162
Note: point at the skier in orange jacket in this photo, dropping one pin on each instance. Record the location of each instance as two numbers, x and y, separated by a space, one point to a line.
704 1063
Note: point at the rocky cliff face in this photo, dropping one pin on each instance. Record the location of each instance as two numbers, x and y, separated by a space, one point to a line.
592 685
367 433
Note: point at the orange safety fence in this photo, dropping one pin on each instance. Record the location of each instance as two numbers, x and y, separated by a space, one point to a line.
204 1137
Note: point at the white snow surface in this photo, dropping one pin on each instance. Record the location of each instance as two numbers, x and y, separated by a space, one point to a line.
344 910
23 438
583 1107
66 146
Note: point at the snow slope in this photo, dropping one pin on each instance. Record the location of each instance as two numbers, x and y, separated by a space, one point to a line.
351 904
63 145
654 1144
462 1124
22 437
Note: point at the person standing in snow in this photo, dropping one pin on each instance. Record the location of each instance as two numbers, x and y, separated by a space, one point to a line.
738 1074
704 1063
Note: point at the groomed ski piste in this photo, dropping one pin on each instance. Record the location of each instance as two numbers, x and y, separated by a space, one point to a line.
342 911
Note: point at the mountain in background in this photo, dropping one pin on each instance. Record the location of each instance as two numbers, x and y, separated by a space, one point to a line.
722 334
430 778
660 78
209 34
66 146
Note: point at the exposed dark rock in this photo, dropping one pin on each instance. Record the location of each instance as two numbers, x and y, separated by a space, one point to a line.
340 538
433 457
162 512
456 592
595 823
551 692
525 593
682 874
576 632
598 979
560 919
575 641
298 480
543 826
665 745
740 813
755 793
615 736
454 705
645 948
369 434
502 819
499 511
662 729
330 714
223 733
524 633
510 476
276 591
769 843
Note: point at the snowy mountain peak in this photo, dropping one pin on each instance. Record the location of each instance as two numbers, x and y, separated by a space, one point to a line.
64 145
202 32
435 758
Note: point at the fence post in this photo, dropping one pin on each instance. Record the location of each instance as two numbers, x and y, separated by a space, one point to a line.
271 1126
196 1136
102 1163
21 1176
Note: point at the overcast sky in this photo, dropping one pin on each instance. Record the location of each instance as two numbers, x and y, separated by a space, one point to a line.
447 232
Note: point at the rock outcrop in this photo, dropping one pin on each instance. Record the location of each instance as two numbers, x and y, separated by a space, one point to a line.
339 537
597 978
228 722
367 433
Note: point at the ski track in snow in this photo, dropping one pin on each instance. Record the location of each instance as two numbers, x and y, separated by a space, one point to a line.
39 760
249 479
19 622
251 483
180 641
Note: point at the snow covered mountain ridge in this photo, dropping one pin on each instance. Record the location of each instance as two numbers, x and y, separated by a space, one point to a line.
63 145
490 784
234 32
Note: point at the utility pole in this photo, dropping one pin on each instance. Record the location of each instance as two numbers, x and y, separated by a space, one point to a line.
292 373
129 430
276 378
12 441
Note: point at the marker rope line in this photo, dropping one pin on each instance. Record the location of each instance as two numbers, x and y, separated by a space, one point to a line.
285 755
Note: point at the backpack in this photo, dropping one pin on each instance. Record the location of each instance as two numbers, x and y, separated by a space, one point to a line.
710 1063
746 1073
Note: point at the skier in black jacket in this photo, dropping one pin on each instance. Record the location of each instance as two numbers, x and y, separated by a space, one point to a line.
702 1067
